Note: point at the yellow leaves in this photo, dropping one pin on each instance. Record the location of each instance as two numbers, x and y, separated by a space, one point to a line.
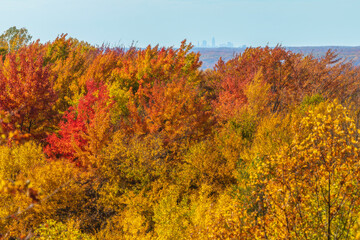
220 218
131 164
68 60
46 184
307 175
171 214
257 93
129 224
10 187
58 231
273 132
20 159
161 170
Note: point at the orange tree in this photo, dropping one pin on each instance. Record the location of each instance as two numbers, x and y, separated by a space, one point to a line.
127 67
176 112
291 77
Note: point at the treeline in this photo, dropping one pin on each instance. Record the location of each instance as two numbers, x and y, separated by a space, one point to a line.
114 143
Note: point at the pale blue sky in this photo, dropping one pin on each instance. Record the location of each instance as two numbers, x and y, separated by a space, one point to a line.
167 22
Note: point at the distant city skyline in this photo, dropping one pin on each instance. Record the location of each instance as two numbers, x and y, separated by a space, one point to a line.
204 44
168 22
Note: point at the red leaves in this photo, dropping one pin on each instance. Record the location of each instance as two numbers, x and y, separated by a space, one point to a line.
69 135
234 76
171 105
84 127
25 89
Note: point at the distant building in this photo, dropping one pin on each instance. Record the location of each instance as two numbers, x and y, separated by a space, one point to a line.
213 42
228 44
204 43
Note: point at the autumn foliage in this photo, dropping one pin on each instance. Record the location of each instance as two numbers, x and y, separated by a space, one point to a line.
130 143
152 111
84 129
26 89
291 77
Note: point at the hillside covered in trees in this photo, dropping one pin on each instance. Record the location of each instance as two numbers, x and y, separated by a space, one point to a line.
113 143
210 56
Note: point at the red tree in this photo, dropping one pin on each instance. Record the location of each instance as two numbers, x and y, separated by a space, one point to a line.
25 89
85 127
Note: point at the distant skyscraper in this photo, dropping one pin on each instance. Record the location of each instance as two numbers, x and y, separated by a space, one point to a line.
213 42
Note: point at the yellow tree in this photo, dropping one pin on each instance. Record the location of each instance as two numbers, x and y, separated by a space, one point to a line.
312 187
68 59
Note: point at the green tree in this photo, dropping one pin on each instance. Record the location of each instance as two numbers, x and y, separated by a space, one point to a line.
13 38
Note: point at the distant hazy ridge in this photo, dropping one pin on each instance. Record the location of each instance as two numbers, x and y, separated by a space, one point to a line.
210 56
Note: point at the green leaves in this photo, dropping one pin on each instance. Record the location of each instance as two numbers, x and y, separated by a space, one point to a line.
14 38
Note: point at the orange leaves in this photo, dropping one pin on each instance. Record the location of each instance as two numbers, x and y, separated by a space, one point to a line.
103 66
161 103
290 76
142 124
175 110
167 64
128 67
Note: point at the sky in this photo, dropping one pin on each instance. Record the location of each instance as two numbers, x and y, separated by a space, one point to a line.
168 22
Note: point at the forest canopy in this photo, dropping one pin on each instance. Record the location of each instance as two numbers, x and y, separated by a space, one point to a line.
130 143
